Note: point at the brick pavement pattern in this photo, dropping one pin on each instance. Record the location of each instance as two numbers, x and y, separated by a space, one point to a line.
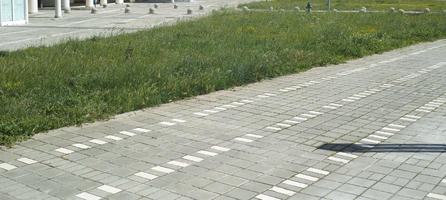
372 128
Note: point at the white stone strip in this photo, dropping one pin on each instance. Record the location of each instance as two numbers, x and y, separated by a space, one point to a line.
300 118
109 189
359 96
346 155
318 171
306 177
443 181
348 100
291 122
220 148
426 108
265 197
247 101
177 163
269 94
228 106
64 151
378 137
254 135
238 103
163 169
315 112
96 141
370 141
308 115
338 159
262 96
436 196
283 125
7 166
397 126
295 184
282 191
243 139
390 129
408 119
208 153
127 133
167 123
81 146
219 108
111 137
211 111
283 90
413 116
273 128
354 98
330 107
146 175
421 110
336 105
193 158
27 161
87 196
142 130
200 114
384 133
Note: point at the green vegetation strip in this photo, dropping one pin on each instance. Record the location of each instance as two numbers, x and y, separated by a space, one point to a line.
81 81
383 5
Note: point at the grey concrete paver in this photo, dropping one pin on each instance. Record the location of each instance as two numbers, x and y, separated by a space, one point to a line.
398 98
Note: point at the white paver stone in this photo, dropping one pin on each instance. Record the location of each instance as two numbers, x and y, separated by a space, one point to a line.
243 139
208 153
27 161
142 130
318 171
220 148
193 158
282 191
163 169
306 177
64 151
7 166
254 135
296 184
109 189
176 163
436 196
88 196
96 141
81 146
146 175
112 137
266 197
128 133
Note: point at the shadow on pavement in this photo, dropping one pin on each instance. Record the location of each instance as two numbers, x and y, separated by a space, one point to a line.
364 148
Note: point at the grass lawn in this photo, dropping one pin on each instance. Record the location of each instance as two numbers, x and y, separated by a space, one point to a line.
417 5
81 81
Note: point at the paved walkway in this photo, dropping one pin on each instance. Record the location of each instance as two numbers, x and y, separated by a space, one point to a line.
372 128
44 29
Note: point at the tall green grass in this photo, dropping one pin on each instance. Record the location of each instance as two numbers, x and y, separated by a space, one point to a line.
415 5
81 81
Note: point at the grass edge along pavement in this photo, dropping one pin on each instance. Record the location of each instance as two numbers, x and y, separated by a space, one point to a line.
373 5
44 88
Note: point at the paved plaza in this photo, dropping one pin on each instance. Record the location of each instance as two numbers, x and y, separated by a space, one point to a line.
44 29
373 128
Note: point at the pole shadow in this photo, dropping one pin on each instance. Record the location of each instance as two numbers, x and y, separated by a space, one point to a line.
364 148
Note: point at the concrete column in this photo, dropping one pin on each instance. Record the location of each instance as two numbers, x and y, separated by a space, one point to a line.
89 3
103 2
66 6
119 1
32 6
58 7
